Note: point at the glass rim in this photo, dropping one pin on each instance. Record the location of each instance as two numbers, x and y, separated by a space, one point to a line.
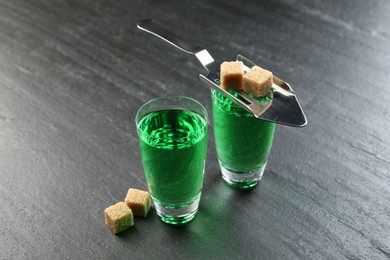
222 96
240 111
203 109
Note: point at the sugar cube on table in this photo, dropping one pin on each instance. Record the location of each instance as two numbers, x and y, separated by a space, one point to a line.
119 217
138 201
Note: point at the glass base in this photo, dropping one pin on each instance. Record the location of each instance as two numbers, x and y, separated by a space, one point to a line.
242 180
177 216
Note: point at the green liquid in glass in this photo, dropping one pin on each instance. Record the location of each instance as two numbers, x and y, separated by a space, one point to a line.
243 142
173 145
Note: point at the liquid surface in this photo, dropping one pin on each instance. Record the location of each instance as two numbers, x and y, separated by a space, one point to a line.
243 142
173 146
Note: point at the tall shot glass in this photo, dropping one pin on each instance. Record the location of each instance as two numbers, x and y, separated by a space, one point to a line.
243 142
173 134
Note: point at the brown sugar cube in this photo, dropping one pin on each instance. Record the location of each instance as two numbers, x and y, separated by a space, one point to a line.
138 201
231 75
257 81
119 217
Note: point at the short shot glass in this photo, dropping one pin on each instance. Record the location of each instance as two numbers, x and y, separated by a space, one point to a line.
243 142
173 133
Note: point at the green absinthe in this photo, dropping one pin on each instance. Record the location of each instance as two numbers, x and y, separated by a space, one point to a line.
242 141
173 145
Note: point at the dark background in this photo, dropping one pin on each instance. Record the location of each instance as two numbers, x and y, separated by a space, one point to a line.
74 73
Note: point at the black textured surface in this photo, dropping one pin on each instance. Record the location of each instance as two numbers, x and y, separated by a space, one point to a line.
74 73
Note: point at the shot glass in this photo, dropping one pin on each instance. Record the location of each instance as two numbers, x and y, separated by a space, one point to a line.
173 134
243 142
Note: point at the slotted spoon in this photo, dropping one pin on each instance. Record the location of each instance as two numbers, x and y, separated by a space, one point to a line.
282 108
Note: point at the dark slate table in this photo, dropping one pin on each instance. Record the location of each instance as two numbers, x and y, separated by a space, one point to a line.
73 74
